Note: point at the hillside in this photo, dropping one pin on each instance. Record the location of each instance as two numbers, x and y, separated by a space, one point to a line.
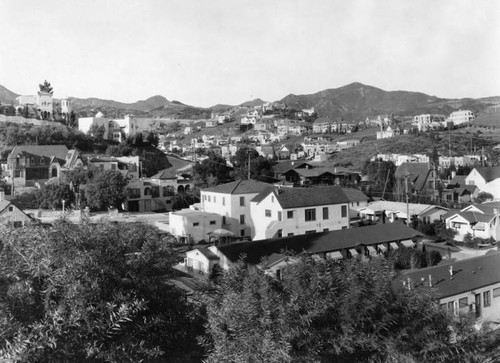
7 96
354 101
357 101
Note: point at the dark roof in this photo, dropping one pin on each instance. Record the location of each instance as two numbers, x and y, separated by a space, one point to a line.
474 217
489 173
304 197
59 151
319 242
414 169
283 166
165 174
207 253
315 172
241 187
355 195
468 274
458 180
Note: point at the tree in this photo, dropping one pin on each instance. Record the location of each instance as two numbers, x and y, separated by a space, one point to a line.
214 166
260 167
329 311
97 132
381 175
483 197
152 139
92 293
52 196
46 87
106 189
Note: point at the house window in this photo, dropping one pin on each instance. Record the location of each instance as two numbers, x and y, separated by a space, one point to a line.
279 215
280 233
209 198
215 199
18 224
486 299
325 229
325 212
11 208
310 215
289 214
242 201
463 303
272 199
223 219
357 204
268 213
42 161
196 224
242 232
311 231
113 167
344 211
212 222
290 234
242 219
496 292
223 200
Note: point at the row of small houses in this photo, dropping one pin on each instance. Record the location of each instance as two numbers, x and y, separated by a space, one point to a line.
464 287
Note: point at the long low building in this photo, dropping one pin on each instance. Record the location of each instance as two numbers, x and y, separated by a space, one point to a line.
346 243
469 286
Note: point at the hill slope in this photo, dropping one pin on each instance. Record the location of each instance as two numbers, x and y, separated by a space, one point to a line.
7 96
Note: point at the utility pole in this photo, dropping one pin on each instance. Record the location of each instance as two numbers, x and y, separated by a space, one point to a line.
407 205
248 152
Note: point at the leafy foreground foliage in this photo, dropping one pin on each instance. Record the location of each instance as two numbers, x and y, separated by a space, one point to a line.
75 293
331 312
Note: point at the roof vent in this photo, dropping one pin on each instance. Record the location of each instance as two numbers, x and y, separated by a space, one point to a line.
451 272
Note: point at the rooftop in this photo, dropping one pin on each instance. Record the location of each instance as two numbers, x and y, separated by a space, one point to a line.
467 275
240 187
319 242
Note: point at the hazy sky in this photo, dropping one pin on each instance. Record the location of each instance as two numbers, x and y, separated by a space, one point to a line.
205 52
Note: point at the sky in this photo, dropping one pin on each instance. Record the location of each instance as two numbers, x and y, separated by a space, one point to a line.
207 52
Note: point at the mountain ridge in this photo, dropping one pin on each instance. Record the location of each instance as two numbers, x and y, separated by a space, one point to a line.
352 101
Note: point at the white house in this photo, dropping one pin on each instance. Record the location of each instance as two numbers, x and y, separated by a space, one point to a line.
294 211
192 225
479 220
465 287
232 202
460 117
480 176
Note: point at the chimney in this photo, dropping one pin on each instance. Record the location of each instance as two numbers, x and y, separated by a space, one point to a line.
453 174
430 280
2 195
451 272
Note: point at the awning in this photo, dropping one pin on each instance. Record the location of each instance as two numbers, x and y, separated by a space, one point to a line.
336 255
372 250
394 246
353 252
382 248
407 243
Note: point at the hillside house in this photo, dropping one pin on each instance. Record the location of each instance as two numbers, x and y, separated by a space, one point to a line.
113 129
346 144
291 211
423 179
321 125
461 117
482 175
464 287
128 166
31 164
357 200
393 211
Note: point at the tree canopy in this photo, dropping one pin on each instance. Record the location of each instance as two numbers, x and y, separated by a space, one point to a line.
106 189
91 293
46 87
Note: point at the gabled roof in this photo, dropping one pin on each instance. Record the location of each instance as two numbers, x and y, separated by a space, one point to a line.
305 197
240 187
165 174
314 172
207 253
475 217
316 243
355 195
284 166
59 151
458 180
4 204
413 169
468 275
489 173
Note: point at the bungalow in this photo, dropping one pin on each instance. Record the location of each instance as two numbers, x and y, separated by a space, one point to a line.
346 144
211 123
376 210
465 287
478 220
369 241
10 214
291 211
